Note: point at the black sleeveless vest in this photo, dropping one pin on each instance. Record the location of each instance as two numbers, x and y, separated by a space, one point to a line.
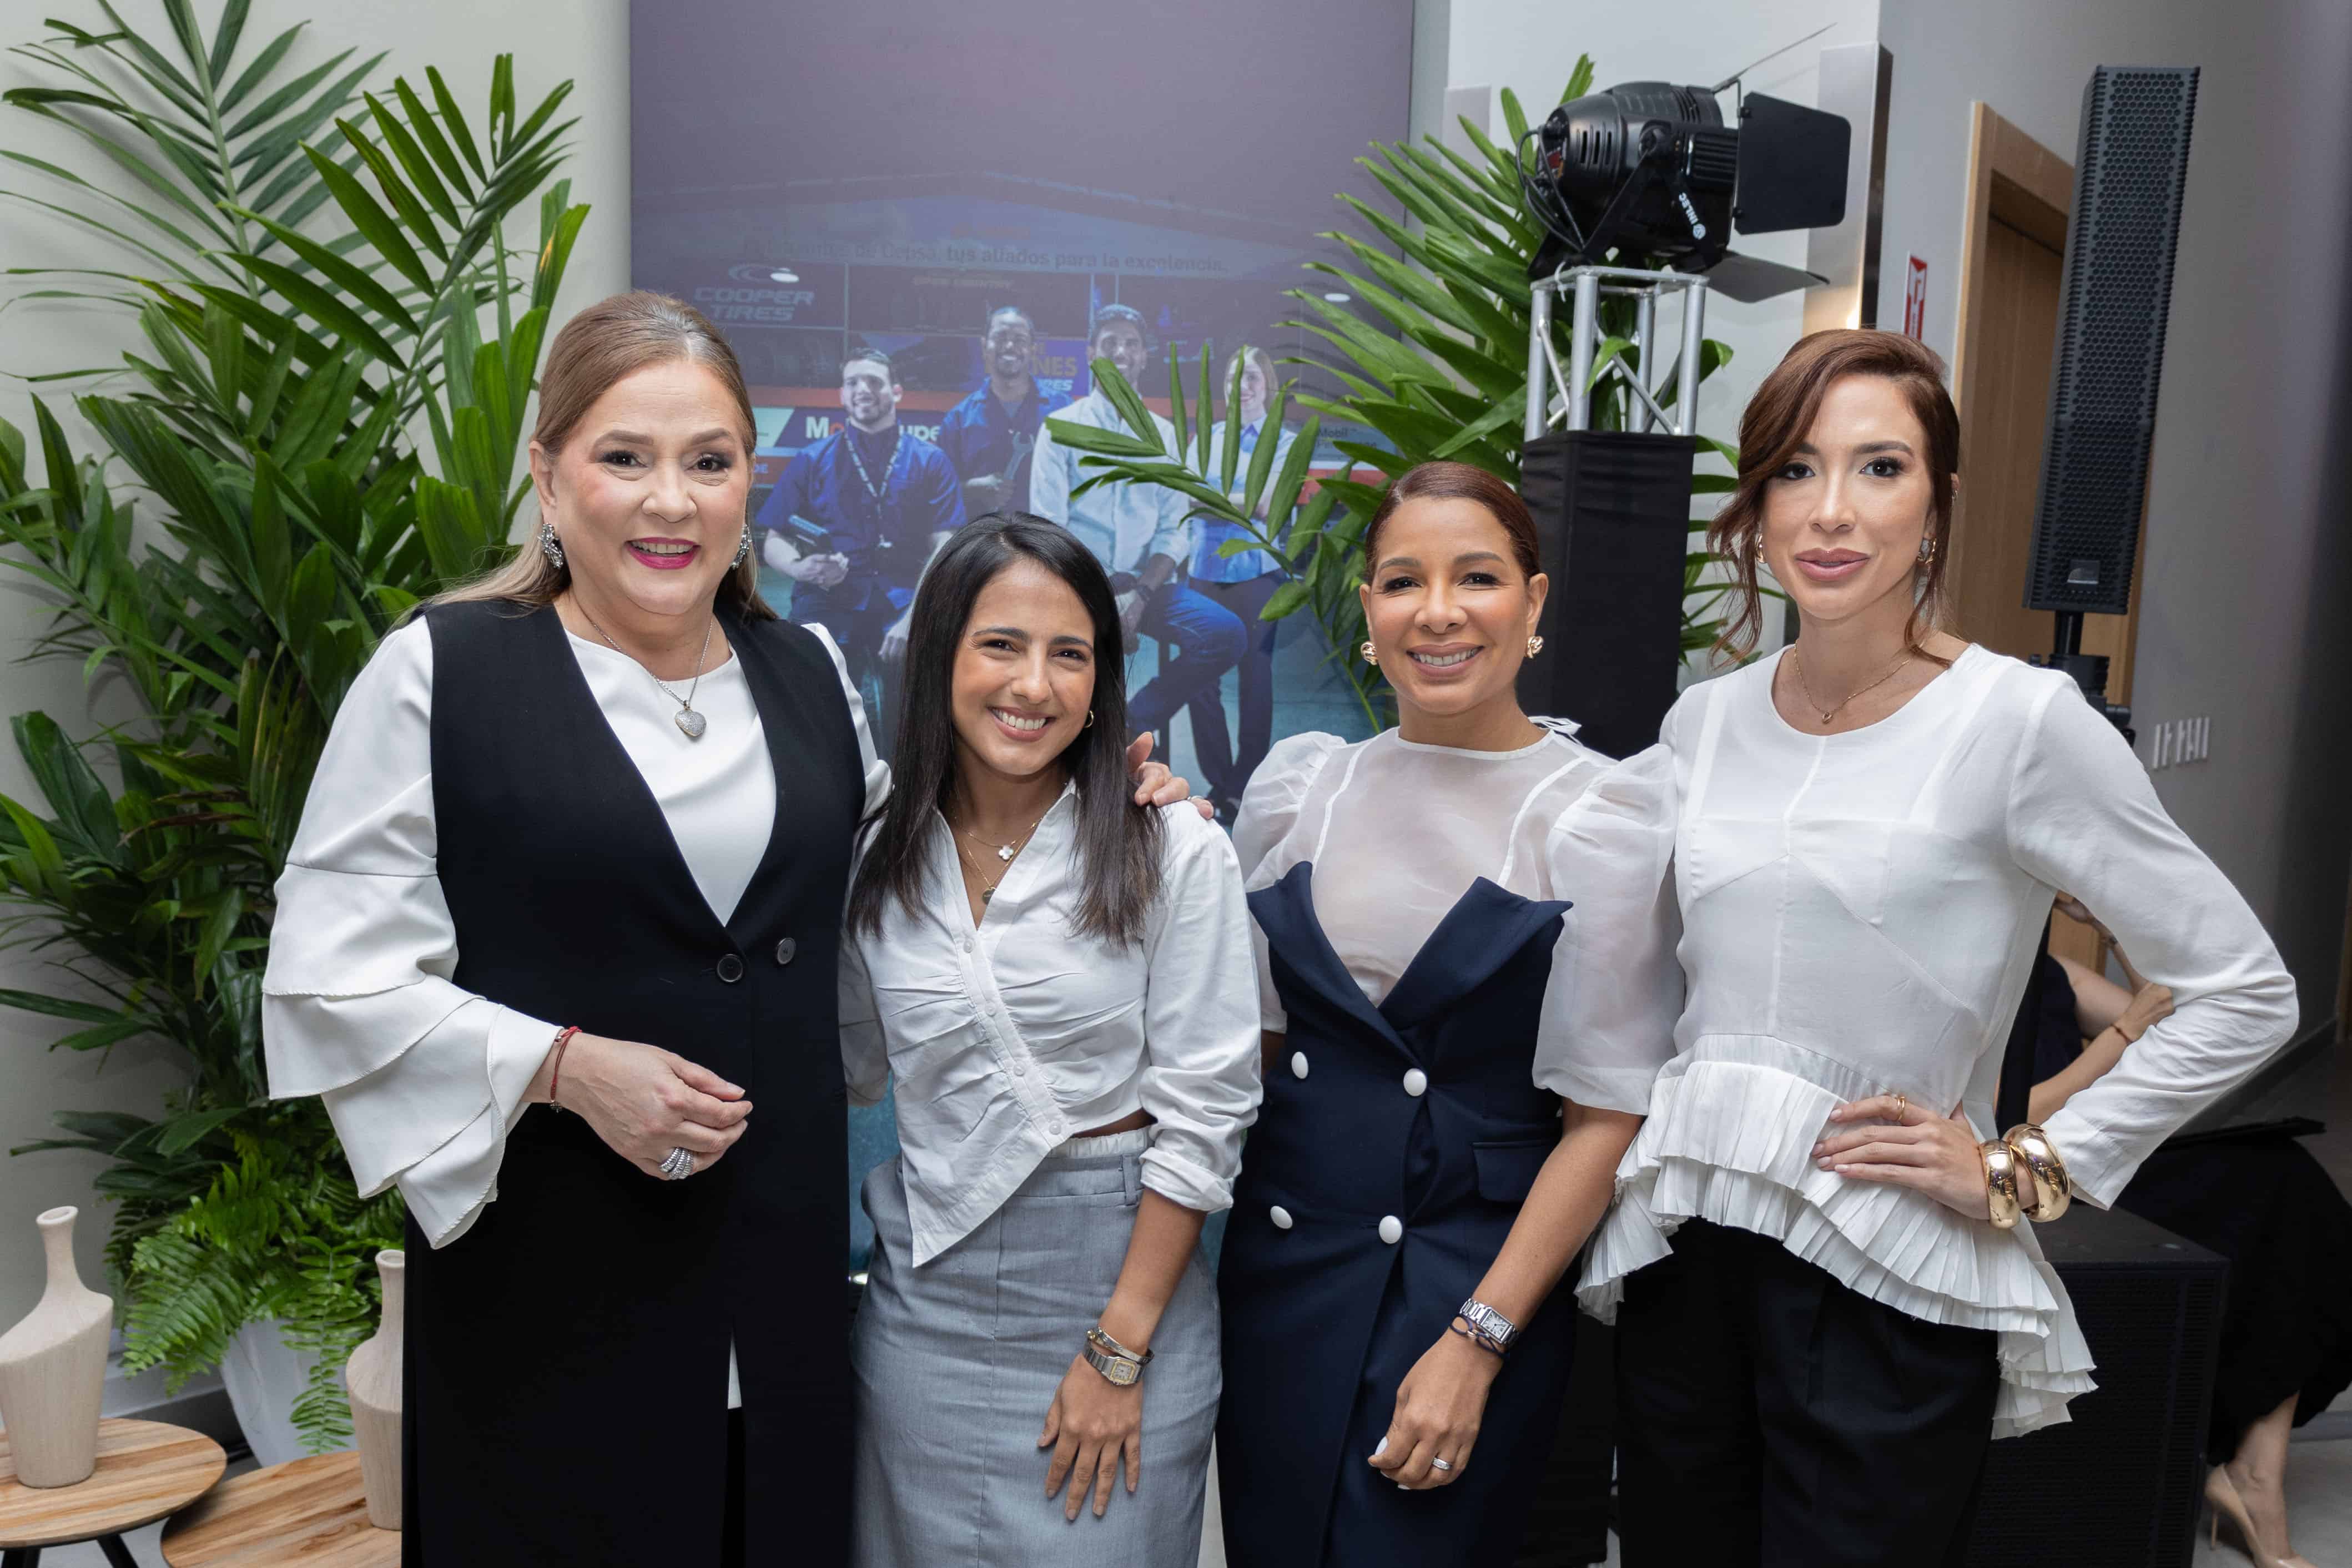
567 1356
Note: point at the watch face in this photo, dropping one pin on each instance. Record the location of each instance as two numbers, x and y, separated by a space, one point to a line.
1122 1371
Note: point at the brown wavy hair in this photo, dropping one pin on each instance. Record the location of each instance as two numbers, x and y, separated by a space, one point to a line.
1775 424
608 341
1457 482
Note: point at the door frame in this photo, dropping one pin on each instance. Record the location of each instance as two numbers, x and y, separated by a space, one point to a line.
2017 181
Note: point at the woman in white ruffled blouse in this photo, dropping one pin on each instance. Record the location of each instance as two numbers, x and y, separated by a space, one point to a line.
1823 1322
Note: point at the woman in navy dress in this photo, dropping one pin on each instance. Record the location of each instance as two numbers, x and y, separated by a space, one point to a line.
1429 1157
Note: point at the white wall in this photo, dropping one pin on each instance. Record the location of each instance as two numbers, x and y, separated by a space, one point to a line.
586 40
2248 569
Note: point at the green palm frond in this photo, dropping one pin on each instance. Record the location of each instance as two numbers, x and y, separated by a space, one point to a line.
1437 370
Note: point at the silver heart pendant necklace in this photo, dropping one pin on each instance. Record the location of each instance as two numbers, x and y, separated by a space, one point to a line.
692 722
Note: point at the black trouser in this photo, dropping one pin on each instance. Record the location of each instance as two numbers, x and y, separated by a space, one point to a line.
1226 767
1767 1415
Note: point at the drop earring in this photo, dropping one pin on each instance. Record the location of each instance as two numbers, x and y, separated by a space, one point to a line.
1926 550
549 545
742 550
1535 647
1371 654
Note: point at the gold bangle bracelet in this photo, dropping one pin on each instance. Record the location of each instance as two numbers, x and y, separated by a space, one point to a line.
2054 1189
2001 1183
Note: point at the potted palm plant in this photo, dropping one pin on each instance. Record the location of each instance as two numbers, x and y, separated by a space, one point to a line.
1447 378
339 339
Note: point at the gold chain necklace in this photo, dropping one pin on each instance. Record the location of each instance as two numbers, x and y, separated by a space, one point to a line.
1798 664
1003 852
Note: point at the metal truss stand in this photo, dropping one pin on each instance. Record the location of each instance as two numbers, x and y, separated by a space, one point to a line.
1555 395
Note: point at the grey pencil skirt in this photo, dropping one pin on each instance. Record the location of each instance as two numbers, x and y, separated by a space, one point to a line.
957 1362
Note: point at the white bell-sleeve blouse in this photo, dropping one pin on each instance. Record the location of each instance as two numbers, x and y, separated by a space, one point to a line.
1397 831
1858 913
422 1079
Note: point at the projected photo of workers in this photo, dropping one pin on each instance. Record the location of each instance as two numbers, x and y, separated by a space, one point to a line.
1241 585
990 434
852 521
1141 534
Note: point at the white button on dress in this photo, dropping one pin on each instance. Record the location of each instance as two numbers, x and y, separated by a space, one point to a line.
1391 1230
1298 1064
1416 1083
1281 1218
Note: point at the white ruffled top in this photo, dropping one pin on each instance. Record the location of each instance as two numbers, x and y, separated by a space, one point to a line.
1397 831
1855 914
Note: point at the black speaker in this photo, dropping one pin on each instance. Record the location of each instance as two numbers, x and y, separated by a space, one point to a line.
1612 521
2129 173
2118 1486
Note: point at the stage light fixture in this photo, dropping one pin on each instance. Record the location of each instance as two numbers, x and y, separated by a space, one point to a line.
1650 170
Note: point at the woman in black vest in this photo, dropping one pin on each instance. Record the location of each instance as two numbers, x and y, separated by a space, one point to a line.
579 839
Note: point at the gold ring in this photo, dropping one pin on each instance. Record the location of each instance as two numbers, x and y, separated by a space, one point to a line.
1902 1103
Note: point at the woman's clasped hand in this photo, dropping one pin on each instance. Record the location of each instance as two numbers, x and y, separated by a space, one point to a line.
645 1101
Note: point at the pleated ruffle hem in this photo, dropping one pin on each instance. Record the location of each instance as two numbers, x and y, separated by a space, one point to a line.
1729 1139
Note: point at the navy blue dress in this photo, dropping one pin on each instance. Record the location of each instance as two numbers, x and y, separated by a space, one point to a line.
1419 1112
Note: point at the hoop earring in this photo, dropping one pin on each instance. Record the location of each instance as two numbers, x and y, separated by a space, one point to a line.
1371 654
1090 720
1535 647
549 545
741 549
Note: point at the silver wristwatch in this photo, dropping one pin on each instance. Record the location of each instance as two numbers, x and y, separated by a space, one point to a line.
1487 1326
1118 1364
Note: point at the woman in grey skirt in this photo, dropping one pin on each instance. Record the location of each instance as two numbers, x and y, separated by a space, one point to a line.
1056 977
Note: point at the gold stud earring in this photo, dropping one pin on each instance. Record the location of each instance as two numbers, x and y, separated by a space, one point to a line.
1371 654
1535 647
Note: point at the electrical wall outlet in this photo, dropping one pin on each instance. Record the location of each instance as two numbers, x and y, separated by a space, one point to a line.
2178 741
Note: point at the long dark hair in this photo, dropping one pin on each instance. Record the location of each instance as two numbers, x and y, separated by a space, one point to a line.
1117 840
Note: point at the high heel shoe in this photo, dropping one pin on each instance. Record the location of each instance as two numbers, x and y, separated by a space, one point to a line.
2222 1497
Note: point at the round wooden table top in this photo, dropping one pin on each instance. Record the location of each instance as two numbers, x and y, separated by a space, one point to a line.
145 1471
311 1511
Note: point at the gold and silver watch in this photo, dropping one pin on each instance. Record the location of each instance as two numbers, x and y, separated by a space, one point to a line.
1118 1364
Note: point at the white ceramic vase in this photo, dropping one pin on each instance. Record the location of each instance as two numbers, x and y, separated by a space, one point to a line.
53 1369
372 1379
264 1379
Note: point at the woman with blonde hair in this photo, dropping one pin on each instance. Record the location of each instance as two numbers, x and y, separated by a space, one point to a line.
563 908
1829 1306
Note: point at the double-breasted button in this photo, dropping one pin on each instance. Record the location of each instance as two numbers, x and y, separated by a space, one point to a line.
1298 1064
1416 1083
1281 1218
730 967
786 950
1391 1230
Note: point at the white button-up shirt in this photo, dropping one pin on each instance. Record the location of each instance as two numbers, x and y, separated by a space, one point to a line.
1008 1037
1124 524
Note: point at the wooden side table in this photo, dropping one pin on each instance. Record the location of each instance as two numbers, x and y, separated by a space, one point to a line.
145 1471
310 1512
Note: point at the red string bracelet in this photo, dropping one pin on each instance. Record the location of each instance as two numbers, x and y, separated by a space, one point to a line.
555 1076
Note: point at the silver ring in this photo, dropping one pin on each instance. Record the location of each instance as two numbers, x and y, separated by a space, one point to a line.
1441 1464
679 1164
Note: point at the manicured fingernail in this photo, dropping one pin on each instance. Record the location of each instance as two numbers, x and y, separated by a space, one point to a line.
1823 1165
1381 1447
